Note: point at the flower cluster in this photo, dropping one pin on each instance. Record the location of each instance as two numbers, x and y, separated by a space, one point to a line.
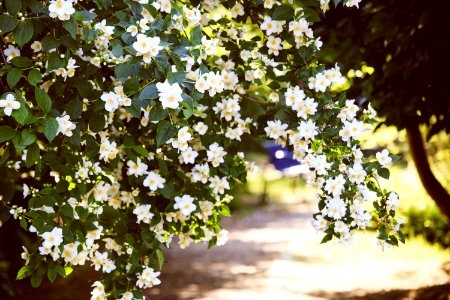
121 126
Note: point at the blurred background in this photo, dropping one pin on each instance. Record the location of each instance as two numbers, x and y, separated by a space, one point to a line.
390 56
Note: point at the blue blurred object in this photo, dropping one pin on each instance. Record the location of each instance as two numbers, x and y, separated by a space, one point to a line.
283 160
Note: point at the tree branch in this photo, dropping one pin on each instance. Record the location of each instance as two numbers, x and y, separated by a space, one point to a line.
429 181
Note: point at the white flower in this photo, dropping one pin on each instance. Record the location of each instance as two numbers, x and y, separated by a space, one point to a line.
189 156
392 201
169 94
136 168
148 278
111 101
65 126
61 9
154 181
222 237
237 10
9 104
383 157
143 213
215 154
201 128
133 30
52 238
36 46
185 204
11 52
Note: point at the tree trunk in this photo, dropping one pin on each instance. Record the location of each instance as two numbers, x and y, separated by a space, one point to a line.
429 181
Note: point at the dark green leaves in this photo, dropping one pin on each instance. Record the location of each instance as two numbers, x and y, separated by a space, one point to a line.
32 155
13 6
384 172
71 26
283 12
13 77
149 92
43 100
34 77
50 128
164 132
6 133
7 23
23 33
21 62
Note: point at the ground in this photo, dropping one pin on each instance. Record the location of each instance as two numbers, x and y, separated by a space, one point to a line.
274 252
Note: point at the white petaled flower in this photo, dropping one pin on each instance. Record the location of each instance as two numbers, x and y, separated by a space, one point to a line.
147 47
154 181
185 204
222 237
201 128
169 94
143 213
383 157
61 9
148 278
52 238
133 30
189 155
11 52
392 201
111 101
36 46
137 168
9 104
65 126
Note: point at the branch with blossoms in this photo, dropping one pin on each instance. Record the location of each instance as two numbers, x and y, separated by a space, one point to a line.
129 119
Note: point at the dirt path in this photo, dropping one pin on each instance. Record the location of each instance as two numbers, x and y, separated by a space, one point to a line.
275 254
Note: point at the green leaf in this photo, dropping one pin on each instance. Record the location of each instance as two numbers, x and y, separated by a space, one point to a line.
27 137
71 26
160 257
196 34
54 62
50 128
13 77
283 12
384 172
68 270
13 6
326 238
157 114
25 271
52 273
43 100
21 114
6 133
21 62
164 132
84 15
176 77
117 49
36 280
23 33
32 155
97 123
149 92
7 23
140 150
34 77
225 210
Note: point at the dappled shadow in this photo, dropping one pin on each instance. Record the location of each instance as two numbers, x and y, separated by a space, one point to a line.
437 292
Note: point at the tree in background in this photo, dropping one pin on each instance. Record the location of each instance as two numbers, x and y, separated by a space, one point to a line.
400 40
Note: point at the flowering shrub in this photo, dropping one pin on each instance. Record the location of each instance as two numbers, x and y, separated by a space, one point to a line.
121 123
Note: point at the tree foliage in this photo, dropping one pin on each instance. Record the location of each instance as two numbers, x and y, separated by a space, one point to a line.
121 122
